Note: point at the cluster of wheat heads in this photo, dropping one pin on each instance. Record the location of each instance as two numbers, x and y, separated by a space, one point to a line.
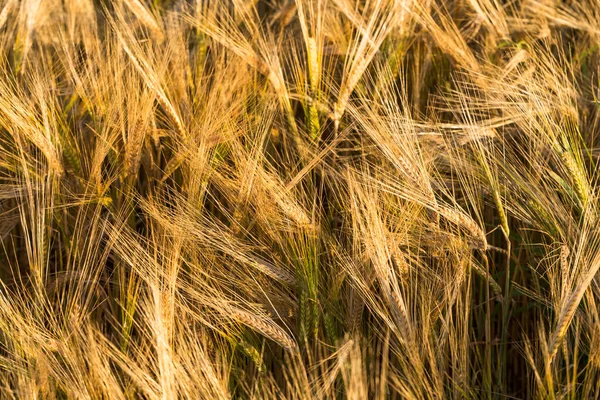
305 199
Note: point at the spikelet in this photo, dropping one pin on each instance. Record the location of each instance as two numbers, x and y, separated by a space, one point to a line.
578 176
152 81
401 313
304 313
347 87
314 314
286 14
6 11
465 221
330 328
313 121
162 99
145 17
134 147
314 72
71 157
401 264
496 289
254 355
564 266
501 212
287 204
409 169
543 215
293 211
355 312
570 306
272 271
567 313
266 328
564 321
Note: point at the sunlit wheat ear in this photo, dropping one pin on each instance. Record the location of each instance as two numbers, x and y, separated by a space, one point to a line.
401 263
579 177
6 11
264 57
147 72
145 17
265 327
466 222
370 225
564 268
314 71
285 201
274 272
373 28
496 288
402 314
569 307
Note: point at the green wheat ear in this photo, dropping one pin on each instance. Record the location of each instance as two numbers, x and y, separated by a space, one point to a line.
304 313
579 177
330 328
18 50
70 152
253 353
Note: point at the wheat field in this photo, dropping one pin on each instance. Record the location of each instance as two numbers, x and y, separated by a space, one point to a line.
299 199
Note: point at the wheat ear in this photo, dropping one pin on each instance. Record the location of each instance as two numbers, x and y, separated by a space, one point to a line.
267 328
